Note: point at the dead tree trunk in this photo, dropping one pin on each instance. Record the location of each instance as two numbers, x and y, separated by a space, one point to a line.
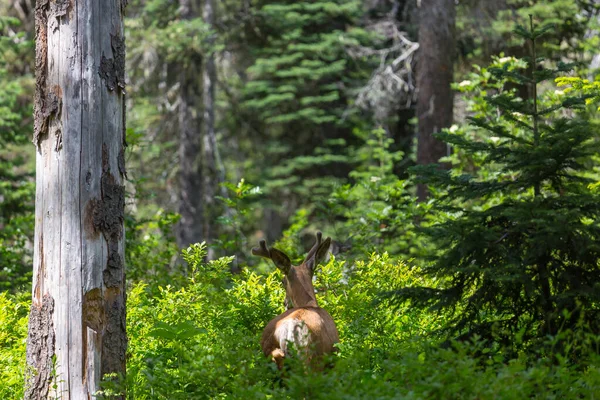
434 77
77 320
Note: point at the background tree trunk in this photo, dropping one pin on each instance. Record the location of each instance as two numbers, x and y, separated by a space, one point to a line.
212 165
434 77
200 170
78 307
192 226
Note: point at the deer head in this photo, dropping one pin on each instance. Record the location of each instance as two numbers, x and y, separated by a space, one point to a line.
297 280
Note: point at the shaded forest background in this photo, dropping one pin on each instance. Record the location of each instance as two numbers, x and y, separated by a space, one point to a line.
293 98
251 119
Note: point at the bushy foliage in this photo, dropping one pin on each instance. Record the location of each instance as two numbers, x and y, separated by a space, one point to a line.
13 334
485 27
237 216
377 211
202 341
151 253
204 338
16 177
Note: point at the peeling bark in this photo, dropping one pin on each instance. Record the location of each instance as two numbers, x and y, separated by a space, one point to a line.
114 340
112 70
93 321
58 9
40 124
121 161
108 213
40 349
108 218
106 313
118 46
93 309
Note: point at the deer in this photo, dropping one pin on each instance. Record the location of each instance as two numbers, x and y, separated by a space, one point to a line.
307 326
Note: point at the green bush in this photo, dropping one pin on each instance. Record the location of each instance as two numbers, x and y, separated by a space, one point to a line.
13 335
202 341
17 189
378 210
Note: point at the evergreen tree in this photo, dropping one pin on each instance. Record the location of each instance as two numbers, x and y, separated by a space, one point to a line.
485 27
519 238
300 87
375 213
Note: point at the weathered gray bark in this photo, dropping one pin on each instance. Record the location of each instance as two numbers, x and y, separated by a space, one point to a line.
434 77
78 306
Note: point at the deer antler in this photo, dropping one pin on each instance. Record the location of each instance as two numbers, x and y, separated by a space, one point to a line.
263 251
281 260
315 247
317 252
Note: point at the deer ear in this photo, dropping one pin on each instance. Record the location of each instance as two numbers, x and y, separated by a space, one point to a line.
281 260
319 254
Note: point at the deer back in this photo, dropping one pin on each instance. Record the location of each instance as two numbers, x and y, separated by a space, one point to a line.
310 329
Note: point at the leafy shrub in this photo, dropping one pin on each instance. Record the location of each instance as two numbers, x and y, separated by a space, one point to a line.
150 250
13 334
17 189
202 341
377 211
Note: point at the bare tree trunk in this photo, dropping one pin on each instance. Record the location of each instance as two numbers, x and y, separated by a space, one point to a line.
595 62
77 320
212 169
434 77
192 226
200 173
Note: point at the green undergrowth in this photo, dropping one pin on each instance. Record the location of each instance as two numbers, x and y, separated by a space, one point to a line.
13 334
201 340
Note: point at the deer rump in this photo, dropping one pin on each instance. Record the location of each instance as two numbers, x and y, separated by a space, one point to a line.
311 330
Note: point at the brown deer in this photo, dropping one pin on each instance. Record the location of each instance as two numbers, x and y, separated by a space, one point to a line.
306 325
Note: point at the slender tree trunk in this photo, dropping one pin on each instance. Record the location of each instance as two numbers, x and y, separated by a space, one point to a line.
200 173
192 226
77 320
595 62
212 168
434 77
